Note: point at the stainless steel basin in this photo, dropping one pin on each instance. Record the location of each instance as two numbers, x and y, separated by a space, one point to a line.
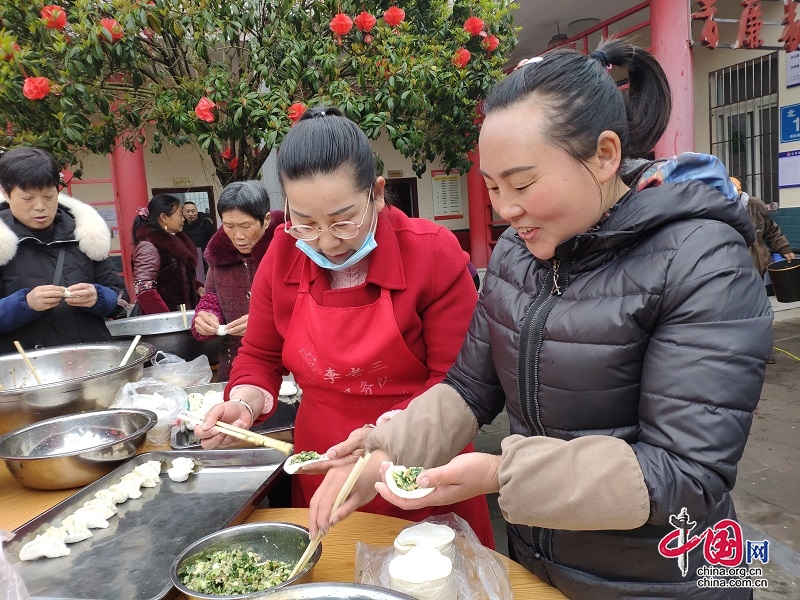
167 332
75 378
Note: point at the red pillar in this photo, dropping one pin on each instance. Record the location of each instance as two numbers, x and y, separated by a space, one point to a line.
478 225
130 193
670 34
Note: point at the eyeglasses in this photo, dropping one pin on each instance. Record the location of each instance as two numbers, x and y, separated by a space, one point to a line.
344 230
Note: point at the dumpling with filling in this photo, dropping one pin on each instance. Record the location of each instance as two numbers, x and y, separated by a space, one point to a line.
74 530
131 487
104 508
106 496
93 519
43 546
119 491
151 470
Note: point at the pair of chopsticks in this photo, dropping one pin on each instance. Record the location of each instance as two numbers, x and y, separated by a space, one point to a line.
131 348
183 312
239 433
343 494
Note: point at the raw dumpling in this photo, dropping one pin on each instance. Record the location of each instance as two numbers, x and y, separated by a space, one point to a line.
93 519
55 532
74 530
106 497
151 469
131 487
120 492
140 479
181 468
43 547
104 508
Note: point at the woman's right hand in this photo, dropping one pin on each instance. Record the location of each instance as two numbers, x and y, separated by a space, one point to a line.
206 323
234 413
43 297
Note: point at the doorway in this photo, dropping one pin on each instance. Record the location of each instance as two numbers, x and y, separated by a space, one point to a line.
203 197
402 194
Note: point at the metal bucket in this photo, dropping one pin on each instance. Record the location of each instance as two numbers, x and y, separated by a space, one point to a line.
168 333
785 277
75 378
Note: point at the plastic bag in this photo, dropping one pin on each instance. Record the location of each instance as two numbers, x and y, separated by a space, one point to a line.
478 573
11 585
164 399
173 369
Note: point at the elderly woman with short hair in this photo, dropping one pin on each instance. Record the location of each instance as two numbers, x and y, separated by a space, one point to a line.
233 255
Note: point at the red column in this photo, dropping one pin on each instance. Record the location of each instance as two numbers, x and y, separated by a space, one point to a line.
130 193
478 226
670 34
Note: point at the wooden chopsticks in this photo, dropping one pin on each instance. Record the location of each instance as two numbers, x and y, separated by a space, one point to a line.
28 362
343 494
240 434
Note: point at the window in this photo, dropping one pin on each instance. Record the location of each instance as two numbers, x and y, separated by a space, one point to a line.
744 123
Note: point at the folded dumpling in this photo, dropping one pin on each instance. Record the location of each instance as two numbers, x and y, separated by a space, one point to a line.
74 530
93 519
43 546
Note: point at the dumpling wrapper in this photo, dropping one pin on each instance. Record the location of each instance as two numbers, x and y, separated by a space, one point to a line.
422 564
427 534
183 463
287 389
222 330
178 474
66 293
43 547
412 494
291 468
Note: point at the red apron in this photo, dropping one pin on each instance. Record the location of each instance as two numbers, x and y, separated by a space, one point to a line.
353 365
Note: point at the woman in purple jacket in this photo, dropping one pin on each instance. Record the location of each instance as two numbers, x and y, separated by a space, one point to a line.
233 255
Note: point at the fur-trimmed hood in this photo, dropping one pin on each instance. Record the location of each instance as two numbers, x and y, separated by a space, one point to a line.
91 231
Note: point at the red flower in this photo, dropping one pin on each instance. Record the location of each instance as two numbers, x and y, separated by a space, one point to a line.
234 163
340 25
394 16
54 17
296 111
204 110
365 21
114 29
473 25
490 43
36 88
226 154
461 57
368 38
7 51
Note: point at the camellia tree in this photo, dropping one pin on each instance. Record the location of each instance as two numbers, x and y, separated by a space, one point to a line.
231 76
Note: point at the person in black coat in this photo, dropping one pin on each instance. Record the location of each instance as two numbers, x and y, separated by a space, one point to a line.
57 282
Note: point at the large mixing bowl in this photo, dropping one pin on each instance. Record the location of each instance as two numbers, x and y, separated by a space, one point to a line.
167 332
74 378
283 542
74 450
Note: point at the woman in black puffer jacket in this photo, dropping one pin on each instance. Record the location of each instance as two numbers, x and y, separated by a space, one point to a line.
612 309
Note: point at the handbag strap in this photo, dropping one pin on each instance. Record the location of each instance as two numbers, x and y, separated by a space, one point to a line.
59 266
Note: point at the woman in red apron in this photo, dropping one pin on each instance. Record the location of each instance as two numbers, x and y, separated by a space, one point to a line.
366 307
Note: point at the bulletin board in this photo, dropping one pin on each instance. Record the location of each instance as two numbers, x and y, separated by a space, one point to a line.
789 169
447 200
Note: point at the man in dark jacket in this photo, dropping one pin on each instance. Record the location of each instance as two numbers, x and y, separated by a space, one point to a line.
56 281
198 226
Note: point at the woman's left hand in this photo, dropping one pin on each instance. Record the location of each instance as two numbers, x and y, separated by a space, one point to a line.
82 294
238 326
789 256
466 476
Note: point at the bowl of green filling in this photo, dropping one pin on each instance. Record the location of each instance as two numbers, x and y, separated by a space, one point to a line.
245 561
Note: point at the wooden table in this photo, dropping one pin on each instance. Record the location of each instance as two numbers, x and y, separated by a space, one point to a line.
19 504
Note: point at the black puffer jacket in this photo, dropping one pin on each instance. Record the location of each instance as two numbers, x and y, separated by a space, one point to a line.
27 262
653 329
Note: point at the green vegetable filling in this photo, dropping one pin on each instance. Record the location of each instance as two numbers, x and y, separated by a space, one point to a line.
233 572
407 480
304 457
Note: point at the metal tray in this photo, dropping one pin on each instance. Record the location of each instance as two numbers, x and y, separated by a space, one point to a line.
132 558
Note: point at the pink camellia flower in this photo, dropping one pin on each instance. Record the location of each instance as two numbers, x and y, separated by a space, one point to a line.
473 25
461 57
205 110
365 21
54 17
296 111
114 29
226 154
341 24
234 163
490 43
394 16
36 88
368 38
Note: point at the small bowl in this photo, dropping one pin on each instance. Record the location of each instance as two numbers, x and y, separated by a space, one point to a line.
285 542
74 450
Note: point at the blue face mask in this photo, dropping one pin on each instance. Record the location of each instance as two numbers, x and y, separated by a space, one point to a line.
323 261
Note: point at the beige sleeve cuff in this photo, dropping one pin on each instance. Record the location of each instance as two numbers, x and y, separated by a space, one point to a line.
589 483
434 427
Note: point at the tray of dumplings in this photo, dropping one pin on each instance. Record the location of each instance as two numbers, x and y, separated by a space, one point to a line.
118 537
280 425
